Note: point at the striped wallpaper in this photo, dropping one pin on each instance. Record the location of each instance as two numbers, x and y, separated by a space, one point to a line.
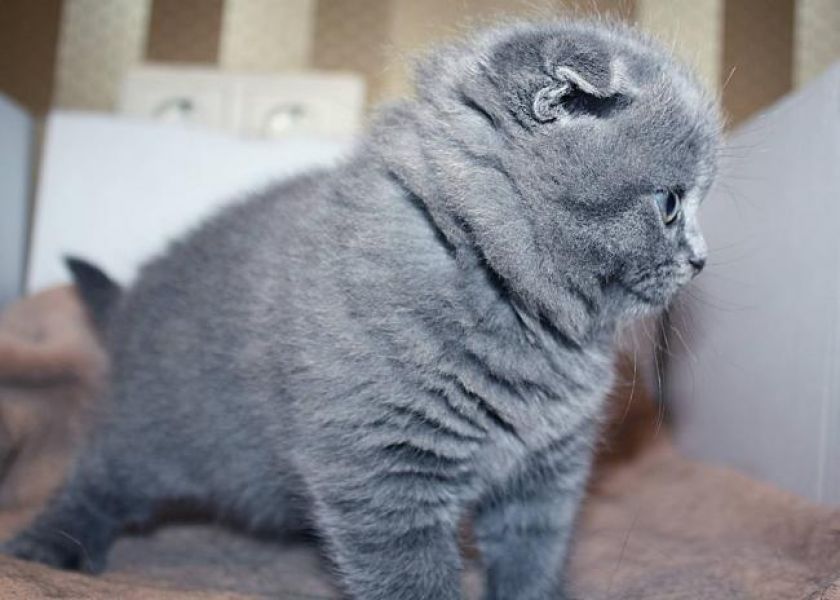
75 52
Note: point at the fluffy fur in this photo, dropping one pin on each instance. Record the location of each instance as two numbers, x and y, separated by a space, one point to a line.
421 332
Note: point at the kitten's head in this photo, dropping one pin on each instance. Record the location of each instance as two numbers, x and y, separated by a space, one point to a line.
576 155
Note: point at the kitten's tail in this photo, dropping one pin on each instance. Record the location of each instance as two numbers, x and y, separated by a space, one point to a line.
99 292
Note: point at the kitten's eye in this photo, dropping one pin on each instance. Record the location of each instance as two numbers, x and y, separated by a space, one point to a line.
669 203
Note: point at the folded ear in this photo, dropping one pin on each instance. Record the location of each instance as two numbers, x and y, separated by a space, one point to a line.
573 94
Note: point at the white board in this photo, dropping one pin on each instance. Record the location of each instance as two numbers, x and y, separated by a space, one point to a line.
758 388
15 173
115 190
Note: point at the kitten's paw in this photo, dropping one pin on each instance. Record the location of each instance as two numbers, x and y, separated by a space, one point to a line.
59 551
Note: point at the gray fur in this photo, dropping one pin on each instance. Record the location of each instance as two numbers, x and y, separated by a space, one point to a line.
422 332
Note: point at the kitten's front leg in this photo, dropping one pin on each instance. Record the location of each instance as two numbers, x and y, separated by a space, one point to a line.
380 558
386 549
523 528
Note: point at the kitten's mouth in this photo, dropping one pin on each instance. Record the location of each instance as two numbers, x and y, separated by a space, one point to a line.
642 297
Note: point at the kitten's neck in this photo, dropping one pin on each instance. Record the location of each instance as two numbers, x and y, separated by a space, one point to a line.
398 141
428 168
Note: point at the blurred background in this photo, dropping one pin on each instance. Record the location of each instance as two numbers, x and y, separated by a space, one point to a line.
123 122
75 54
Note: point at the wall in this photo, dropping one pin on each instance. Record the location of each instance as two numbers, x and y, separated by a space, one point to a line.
73 53
15 172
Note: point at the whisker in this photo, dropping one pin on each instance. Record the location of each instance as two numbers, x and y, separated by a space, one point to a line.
623 549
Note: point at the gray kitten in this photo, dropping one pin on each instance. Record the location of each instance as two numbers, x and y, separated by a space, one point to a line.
423 331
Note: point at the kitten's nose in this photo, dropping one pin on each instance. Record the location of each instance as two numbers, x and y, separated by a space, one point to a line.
697 262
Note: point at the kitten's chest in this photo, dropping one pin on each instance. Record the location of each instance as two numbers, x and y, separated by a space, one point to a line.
564 404
504 454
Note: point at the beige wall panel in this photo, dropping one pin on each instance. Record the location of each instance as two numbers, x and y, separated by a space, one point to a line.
28 40
816 38
354 36
185 31
98 41
267 35
694 28
758 53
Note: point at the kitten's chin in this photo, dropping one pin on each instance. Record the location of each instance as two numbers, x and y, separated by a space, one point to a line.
633 303
645 299
650 301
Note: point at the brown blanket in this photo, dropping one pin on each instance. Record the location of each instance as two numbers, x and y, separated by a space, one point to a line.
655 526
